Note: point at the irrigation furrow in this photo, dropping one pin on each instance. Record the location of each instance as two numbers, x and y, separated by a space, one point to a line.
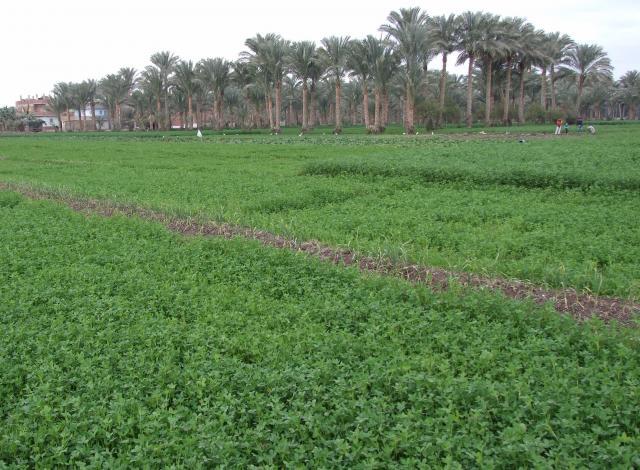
580 305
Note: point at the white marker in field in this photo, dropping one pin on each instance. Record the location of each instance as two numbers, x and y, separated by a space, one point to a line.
199 134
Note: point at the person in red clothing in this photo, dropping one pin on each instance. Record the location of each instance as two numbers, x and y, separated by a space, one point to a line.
558 126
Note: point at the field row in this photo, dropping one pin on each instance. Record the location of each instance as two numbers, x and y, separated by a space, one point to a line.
122 343
562 221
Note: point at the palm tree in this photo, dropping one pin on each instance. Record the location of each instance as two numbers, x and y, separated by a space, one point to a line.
512 28
530 52
116 89
489 48
62 91
214 75
408 28
470 26
588 62
384 64
80 97
317 69
165 61
57 105
630 87
443 35
269 54
127 81
153 85
244 78
360 64
300 62
335 51
92 92
557 46
185 79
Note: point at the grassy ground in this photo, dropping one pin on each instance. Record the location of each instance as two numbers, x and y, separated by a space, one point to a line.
557 211
123 345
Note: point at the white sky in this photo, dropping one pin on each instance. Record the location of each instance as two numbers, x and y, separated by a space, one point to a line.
46 41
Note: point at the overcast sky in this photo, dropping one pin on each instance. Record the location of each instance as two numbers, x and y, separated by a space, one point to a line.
72 40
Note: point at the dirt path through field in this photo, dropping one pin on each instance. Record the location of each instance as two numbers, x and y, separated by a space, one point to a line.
579 305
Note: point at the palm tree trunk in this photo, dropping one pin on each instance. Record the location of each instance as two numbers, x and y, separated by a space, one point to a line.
580 89
291 116
521 105
365 103
93 115
507 93
190 111
314 104
338 128
470 93
221 115
305 107
543 88
553 87
278 105
269 109
488 93
443 82
377 110
385 107
167 118
408 110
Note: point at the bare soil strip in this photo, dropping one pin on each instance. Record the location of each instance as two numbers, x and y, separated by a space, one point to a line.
567 301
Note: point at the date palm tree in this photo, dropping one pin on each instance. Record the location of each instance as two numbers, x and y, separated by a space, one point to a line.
215 76
443 35
92 92
335 51
185 79
557 46
470 26
588 62
116 89
629 85
57 105
511 28
360 64
300 62
243 76
80 97
489 49
152 84
529 52
384 61
165 61
408 29
269 53
316 72
62 91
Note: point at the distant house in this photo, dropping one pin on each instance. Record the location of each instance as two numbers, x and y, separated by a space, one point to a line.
39 109
72 122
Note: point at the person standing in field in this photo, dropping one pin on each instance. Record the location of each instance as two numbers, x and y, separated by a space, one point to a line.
566 127
558 126
580 123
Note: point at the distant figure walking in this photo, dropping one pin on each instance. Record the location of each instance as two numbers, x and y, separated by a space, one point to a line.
580 123
558 126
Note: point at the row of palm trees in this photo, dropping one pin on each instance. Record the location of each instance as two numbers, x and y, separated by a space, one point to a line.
391 70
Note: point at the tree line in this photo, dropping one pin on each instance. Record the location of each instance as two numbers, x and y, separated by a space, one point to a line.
515 72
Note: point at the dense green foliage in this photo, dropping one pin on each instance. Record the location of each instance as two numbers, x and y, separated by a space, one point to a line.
122 344
550 210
